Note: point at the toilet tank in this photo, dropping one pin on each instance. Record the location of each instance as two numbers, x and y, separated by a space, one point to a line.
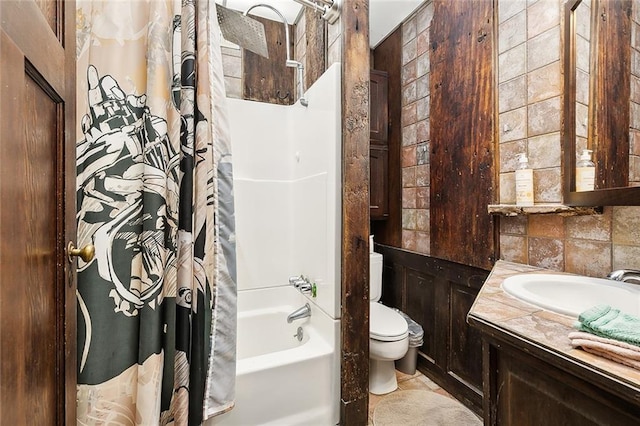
375 276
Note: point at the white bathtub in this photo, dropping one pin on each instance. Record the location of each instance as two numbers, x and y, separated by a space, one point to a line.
280 380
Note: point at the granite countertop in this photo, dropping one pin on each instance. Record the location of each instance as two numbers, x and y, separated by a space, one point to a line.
536 325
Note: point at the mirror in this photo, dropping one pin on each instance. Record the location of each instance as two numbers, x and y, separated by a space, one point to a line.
602 100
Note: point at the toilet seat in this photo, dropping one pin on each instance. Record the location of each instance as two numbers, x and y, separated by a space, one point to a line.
385 324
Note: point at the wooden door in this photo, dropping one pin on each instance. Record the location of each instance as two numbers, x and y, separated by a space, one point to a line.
37 212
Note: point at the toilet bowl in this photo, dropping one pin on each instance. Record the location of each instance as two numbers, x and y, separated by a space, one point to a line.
388 334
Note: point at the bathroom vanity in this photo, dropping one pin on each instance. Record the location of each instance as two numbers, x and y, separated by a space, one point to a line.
532 375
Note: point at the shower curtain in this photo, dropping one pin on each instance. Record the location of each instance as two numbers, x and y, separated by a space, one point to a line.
157 304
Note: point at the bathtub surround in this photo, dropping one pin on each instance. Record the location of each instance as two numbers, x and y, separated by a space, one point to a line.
280 379
286 161
157 304
288 197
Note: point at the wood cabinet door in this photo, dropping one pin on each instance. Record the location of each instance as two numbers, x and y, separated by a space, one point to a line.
379 107
379 194
37 212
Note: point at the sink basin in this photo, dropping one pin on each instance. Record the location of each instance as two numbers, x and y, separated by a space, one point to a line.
573 294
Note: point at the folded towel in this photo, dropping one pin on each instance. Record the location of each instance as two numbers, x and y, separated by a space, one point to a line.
615 350
614 357
605 321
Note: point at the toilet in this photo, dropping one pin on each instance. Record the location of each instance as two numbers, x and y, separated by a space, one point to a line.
388 334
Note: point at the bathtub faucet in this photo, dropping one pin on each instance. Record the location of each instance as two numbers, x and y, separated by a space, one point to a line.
626 275
300 313
303 284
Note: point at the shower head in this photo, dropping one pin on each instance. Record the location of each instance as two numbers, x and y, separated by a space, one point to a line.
242 30
289 62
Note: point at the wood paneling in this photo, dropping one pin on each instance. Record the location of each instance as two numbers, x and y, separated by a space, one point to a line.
315 55
379 197
467 343
387 57
379 98
420 288
526 391
462 132
612 87
438 294
355 213
269 79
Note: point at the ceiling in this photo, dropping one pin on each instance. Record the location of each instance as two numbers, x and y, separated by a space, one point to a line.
384 15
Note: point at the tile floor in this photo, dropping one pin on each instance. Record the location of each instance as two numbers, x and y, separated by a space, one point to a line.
417 381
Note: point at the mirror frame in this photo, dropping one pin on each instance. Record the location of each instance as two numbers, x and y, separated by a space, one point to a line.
624 196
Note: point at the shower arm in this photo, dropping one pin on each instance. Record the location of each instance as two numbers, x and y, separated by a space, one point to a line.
290 62
330 9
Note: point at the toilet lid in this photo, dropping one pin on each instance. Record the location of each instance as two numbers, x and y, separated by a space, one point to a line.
385 324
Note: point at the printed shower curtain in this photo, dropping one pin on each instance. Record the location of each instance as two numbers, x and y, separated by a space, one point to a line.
157 304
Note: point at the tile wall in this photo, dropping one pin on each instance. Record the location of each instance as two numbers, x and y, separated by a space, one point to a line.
530 89
529 76
415 130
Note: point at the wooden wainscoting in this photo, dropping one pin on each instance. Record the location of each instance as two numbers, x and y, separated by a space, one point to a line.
438 294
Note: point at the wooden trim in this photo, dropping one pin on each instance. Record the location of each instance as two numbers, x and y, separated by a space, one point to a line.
569 96
12 77
355 213
623 196
68 222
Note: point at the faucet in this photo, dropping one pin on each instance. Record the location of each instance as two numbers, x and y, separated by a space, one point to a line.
626 275
302 284
300 313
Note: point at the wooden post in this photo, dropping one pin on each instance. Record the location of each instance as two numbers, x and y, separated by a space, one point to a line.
355 213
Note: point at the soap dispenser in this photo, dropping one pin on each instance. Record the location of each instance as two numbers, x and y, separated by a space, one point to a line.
524 182
585 172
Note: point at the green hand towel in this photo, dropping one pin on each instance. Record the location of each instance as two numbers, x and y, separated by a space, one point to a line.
605 321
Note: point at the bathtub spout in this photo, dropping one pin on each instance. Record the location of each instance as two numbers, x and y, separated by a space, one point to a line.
300 313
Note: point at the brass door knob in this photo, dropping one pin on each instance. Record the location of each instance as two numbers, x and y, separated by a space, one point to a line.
85 253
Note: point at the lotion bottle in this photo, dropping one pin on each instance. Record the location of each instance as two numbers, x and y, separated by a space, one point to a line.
524 182
585 172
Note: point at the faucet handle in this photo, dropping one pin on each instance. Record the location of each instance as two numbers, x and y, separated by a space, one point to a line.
296 279
305 287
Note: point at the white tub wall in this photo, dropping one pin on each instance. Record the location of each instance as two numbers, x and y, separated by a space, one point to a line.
261 140
317 192
275 146
261 137
263 232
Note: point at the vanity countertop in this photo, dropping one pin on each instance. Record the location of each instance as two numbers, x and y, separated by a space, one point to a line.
549 330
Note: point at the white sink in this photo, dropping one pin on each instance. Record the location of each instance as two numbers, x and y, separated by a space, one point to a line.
573 294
